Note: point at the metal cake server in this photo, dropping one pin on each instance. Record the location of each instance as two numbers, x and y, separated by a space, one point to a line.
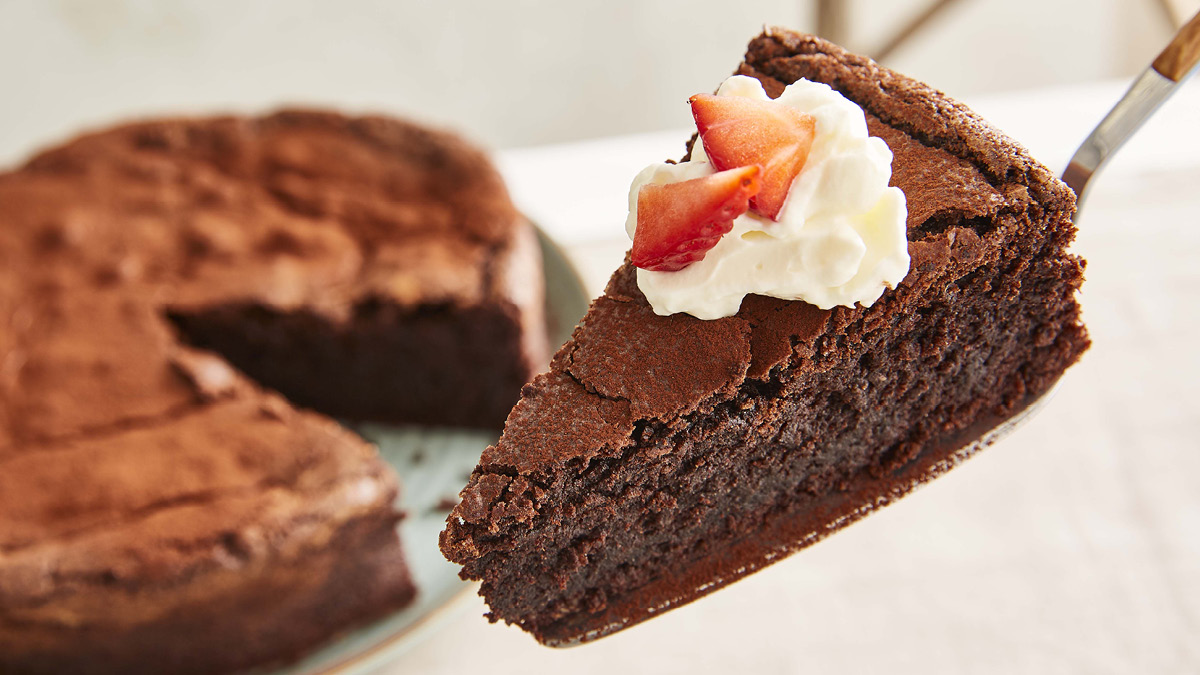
1170 69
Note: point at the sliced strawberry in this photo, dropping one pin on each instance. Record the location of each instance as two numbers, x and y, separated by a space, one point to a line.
743 131
678 223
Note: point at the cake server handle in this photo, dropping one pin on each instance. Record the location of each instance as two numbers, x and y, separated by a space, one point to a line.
1170 69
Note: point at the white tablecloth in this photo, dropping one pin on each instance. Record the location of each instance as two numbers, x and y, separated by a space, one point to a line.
1073 546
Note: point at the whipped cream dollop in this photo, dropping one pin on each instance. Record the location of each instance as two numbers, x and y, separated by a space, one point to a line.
840 238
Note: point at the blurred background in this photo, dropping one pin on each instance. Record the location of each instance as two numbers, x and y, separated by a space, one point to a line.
516 73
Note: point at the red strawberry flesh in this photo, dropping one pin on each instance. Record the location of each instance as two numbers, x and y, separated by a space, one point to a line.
677 223
740 131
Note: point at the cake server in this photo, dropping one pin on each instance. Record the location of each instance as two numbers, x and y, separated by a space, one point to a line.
1170 69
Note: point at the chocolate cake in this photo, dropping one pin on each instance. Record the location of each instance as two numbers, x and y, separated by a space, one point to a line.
663 457
162 507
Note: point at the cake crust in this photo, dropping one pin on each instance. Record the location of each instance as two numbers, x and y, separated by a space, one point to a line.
663 457
241 534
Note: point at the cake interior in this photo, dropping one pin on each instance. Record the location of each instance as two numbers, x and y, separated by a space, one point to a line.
435 364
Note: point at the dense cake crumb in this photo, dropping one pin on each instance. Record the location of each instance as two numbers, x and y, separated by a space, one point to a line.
664 457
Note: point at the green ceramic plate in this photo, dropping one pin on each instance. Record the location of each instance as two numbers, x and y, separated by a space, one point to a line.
434 465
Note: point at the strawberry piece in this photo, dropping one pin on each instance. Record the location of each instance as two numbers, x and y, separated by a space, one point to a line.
678 223
741 131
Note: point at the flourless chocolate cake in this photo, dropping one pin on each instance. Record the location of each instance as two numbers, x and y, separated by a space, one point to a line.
161 508
663 457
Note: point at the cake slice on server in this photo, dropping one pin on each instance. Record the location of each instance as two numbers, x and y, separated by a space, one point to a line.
849 282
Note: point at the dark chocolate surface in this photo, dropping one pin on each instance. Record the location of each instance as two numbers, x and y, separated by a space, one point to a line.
663 457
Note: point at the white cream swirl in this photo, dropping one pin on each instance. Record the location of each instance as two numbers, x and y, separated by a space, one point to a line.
840 238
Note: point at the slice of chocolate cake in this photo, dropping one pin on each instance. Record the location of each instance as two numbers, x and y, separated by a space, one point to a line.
664 456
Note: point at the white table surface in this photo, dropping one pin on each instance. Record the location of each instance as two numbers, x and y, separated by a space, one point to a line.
1073 546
